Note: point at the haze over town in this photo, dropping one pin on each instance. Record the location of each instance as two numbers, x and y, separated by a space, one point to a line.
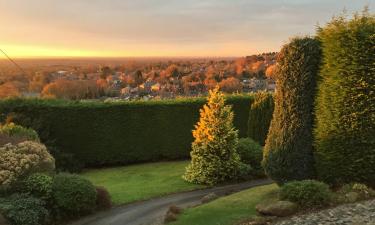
116 28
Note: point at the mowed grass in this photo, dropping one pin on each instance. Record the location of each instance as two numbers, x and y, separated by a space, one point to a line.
143 181
228 210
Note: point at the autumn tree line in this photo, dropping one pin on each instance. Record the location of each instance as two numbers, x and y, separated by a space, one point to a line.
90 80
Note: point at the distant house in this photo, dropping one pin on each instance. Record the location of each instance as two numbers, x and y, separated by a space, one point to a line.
31 94
271 85
147 86
125 91
156 87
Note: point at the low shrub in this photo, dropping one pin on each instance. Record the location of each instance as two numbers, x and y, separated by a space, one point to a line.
103 199
73 195
245 171
23 159
22 209
306 193
363 191
39 185
13 130
251 152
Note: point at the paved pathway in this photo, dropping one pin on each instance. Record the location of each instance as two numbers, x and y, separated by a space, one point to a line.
152 211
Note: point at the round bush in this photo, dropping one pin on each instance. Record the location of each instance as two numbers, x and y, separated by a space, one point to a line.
23 159
103 198
251 153
39 185
22 209
307 193
73 195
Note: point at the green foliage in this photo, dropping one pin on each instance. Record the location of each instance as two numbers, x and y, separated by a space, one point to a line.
103 199
363 191
73 195
99 134
66 162
22 209
39 185
251 153
260 117
14 130
214 158
23 159
345 112
307 193
288 153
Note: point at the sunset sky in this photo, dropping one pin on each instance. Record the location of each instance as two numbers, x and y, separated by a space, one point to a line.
42 28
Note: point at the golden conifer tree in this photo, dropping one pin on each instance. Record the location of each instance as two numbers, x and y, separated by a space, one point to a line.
213 157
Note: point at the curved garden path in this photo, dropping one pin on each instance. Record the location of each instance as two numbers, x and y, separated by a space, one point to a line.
151 212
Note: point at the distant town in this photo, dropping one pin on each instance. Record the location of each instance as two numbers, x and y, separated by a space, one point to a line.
132 79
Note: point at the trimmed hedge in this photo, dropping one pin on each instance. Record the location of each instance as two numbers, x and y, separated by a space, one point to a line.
101 134
260 117
345 109
288 153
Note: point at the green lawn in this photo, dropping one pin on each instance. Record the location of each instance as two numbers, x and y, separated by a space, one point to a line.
142 181
230 209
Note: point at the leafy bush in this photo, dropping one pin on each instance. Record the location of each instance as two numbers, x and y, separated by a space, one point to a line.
22 209
73 195
345 121
245 172
260 117
251 153
288 153
39 185
214 158
363 191
13 130
103 199
307 193
99 134
17 161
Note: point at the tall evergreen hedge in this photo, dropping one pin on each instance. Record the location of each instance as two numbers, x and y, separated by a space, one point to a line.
288 153
101 134
345 109
260 117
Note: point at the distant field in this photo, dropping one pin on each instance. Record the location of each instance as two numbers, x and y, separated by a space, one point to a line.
140 182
